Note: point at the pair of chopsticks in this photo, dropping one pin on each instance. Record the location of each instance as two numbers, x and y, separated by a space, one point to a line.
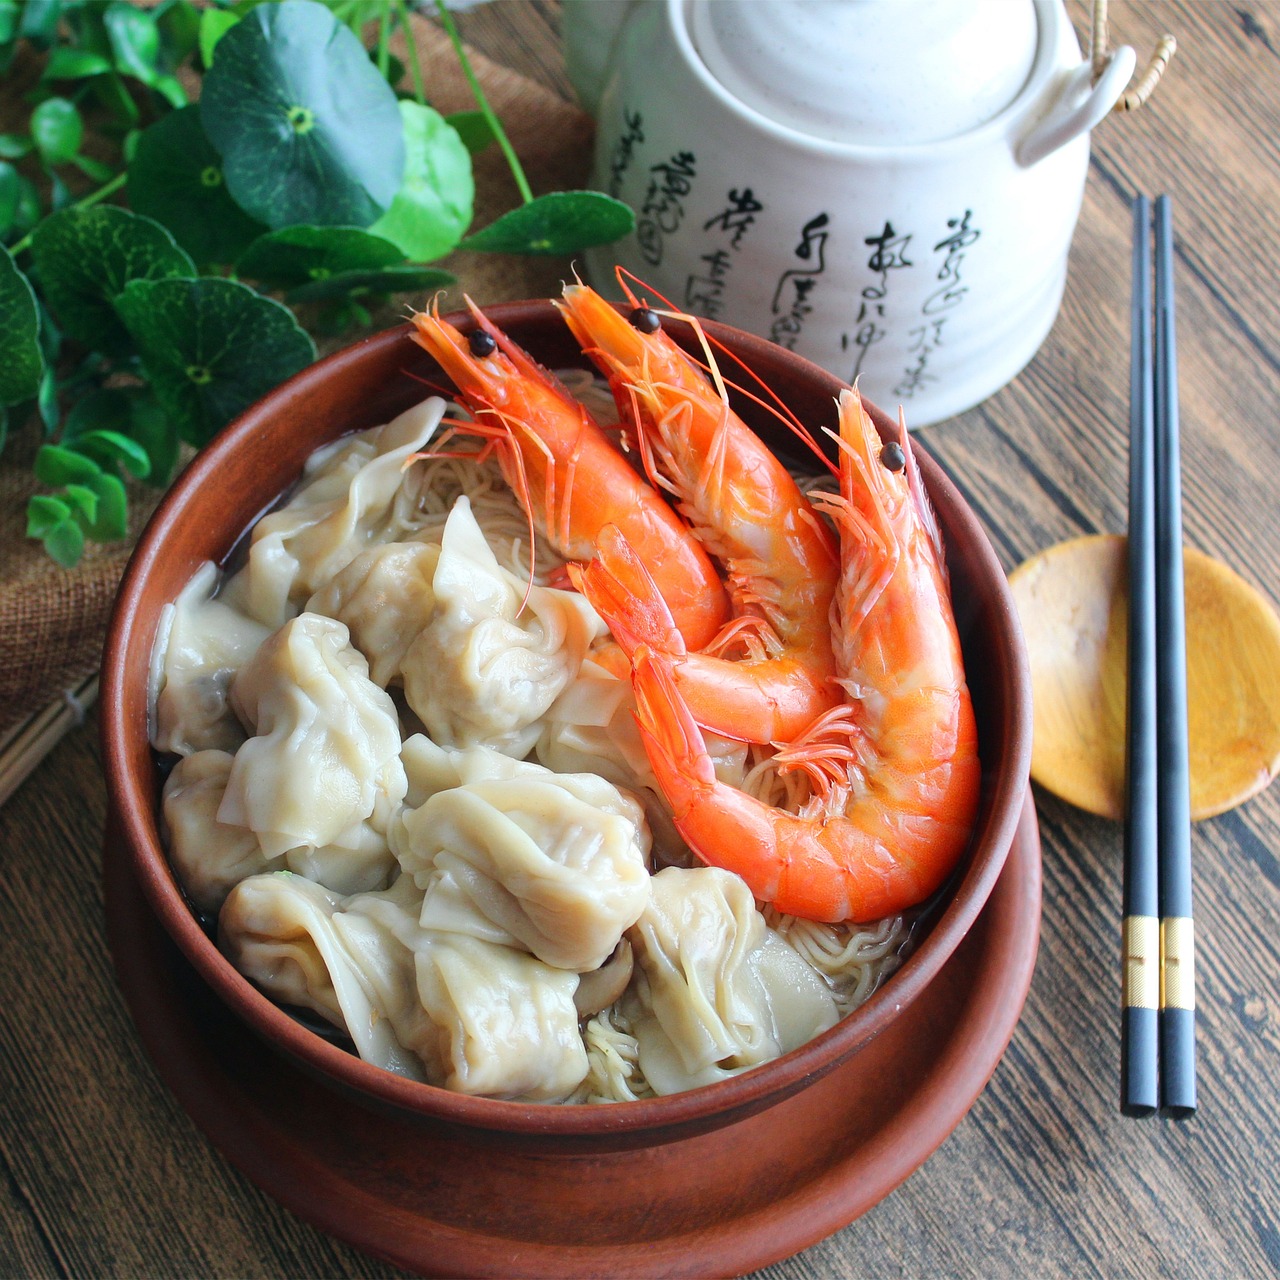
1158 1057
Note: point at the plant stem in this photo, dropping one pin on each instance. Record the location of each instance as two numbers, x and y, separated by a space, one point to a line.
522 183
92 198
384 40
415 67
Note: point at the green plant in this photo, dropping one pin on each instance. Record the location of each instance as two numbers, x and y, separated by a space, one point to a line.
312 168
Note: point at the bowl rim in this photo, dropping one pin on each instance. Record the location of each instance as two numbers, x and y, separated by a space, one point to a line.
133 806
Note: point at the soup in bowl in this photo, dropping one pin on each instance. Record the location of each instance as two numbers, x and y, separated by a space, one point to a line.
632 962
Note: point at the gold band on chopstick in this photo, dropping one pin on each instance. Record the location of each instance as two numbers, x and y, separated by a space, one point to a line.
1177 963
1141 962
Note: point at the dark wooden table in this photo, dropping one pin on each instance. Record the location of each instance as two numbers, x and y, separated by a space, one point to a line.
105 1175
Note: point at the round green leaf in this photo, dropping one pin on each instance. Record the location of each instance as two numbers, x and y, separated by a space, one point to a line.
135 40
57 130
359 284
39 21
85 257
47 401
56 465
179 27
176 178
69 63
131 412
110 519
65 543
10 189
307 129
23 363
211 347
171 90
432 210
559 223
94 169
299 255
44 514
107 448
28 206
214 24
83 503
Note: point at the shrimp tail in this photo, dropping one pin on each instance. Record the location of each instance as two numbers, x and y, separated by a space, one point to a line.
622 591
686 776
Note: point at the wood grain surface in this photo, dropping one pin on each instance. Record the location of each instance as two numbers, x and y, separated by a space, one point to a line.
103 1174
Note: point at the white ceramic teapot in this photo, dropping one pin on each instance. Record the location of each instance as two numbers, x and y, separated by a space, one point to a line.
888 187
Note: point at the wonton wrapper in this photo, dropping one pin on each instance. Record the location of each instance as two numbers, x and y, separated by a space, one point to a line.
294 939
385 599
347 503
720 992
325 757
210 857
507 1025
497 650
555 861
202 643
450 1010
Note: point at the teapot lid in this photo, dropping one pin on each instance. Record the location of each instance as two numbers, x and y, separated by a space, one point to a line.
870 72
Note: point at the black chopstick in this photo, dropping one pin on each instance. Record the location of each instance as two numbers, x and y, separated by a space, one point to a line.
1158 1015
1177 944
1139 1038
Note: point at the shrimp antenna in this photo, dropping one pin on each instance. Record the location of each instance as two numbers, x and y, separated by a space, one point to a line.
770 401
928 517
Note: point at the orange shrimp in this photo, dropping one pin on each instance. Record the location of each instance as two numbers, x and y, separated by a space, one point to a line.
572 478
779 558
895 771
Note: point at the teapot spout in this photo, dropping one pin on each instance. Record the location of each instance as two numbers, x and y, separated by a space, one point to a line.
1076 107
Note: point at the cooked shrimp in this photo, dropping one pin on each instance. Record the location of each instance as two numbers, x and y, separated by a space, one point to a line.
571 477
779 558
894 772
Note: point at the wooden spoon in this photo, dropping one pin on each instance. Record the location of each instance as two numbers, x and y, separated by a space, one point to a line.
1073 602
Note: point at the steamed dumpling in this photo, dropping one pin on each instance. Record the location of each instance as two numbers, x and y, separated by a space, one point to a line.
345 505
385 599
506 1024
202 643
719 993
210 856
497 650
557 862
307 946
325 758
454 1011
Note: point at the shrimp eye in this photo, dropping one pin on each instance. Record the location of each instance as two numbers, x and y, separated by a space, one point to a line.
892 457
482 343
646 320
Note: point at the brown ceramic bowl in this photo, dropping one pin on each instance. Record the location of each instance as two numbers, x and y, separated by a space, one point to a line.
247 468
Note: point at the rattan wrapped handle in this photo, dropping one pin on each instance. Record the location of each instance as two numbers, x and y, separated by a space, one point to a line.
1145 83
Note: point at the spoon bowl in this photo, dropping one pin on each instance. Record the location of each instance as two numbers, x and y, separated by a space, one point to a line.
1073 602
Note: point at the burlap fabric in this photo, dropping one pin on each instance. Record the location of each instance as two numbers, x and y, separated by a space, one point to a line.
52 620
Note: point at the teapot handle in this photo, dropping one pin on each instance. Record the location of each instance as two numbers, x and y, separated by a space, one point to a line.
1080 106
